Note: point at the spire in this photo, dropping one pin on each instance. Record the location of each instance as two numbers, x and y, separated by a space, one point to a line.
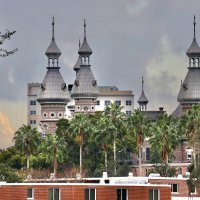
53 52
85 50
84 29
53 29
194 49
194 27
142 101
142 84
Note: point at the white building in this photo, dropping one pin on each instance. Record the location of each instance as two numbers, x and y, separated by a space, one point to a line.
111 94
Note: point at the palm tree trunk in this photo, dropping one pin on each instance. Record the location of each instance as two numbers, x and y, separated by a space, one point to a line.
140 161
194 157
81 147
55 161
114 151
106 160
27 161
167 159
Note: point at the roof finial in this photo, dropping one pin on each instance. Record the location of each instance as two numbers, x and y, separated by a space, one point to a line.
53 28
142 84
194 23
84 29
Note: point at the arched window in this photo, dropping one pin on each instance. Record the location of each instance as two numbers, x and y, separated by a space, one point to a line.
197 62
191 62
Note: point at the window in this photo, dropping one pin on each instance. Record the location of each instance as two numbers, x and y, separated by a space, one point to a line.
32 121
148 154
98 103
193 189
33 102
90 194
44 114
189 154
30 194
52 115
107 102
32 112
128 112
60 115
174 188
154 194
122 194
118 102
54 194
128 102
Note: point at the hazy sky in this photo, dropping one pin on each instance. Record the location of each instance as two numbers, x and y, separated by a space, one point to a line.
129 39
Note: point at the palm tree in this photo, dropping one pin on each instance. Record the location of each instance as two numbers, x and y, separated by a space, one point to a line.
189 126
117 117
27 140
54 147
104 132
137 131
79 126
164 137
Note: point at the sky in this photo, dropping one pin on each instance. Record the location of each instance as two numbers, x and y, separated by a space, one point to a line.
129 39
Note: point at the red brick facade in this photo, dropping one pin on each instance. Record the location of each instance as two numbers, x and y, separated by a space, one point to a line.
77 191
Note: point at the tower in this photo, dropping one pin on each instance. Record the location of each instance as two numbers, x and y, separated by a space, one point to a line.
189 92
142 101
85 90
53 96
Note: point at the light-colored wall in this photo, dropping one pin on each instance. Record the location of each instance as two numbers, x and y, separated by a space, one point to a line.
123 99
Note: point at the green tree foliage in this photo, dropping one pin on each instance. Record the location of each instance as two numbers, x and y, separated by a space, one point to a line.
62 127
190 128
164 170
27 140
12 158
54 148
80 127
104 135
6 36
9 175
137 131
164 137
73 148
114 112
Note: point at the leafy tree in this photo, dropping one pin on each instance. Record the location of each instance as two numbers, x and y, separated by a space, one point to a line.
137 131
164 137
72 148
12 158
104 135
117 117
27 140
79 127
6 36
39 161
62 126
189 126
9 175
164 170
54 148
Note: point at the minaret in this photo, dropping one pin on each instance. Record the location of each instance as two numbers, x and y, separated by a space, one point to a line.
189 92
54 95
142 101
85 90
